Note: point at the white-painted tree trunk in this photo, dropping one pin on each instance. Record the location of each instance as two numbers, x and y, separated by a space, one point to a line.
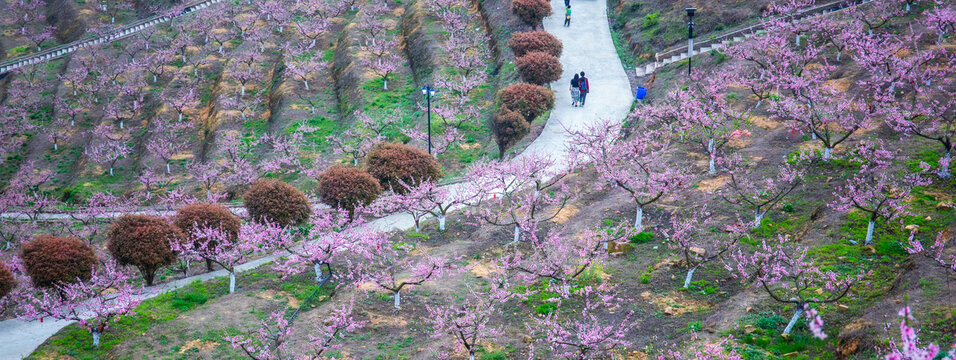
385 84
758 218
639 218
471 355
306 84
154 80
111 171
167 168
839 53
441 222
869 232
96 339
944 165
690 274
232 282
398 300
517 234
121 124
242 90
713 156
827 154
55 146
180 116
793 320
318 272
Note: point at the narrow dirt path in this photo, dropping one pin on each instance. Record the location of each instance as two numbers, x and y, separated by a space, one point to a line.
587 47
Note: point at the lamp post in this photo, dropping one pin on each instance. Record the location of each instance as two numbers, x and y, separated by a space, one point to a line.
690 37
428 91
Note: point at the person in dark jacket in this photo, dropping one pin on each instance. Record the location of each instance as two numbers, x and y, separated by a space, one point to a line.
575 90
585 87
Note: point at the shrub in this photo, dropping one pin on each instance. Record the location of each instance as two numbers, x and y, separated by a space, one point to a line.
193 217
524 42
531 11
538 67
276 202
51 260
527 99
7 282
347 188
509 127
393 164
143 241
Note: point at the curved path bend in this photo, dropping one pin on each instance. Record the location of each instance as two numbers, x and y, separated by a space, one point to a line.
587 47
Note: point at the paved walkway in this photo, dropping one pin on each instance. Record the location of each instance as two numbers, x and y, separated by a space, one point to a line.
587 47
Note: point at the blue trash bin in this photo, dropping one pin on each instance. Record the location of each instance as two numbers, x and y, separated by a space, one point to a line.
641 92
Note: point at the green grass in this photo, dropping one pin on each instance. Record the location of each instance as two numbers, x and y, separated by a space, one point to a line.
764 340
77 342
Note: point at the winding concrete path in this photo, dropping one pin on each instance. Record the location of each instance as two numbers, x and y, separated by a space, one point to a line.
587 47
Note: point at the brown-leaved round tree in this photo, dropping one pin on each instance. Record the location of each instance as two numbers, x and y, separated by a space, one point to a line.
143 242
51 260
538 67
347 188
509 127
195 217
539 40
276 202
529 100
393 164
7 282
531 11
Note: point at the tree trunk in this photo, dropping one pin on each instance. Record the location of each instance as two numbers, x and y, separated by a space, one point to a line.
517 234
232 281
167 168
758 218
96 339
208 262
111 171
827 154
639 218
398 300
690 274
713 166
385 84
944 165
306 84
149 278
441 222
869 232
793 320
318 272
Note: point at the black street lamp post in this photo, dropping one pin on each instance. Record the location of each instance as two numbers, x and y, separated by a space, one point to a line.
428 91
690 37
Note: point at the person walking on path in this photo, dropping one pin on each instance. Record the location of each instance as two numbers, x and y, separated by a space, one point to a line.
575 90
567 16
585 87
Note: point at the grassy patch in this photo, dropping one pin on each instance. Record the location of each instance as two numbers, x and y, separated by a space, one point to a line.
77 343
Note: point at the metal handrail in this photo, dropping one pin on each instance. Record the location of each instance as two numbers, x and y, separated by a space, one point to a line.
127 30
805 13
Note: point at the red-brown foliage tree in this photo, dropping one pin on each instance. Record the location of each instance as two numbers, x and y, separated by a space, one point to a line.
529 100
539 67
276 202
347 188
531 11
393 164
539 40
51 260
7 282
509 127
193 217
143 241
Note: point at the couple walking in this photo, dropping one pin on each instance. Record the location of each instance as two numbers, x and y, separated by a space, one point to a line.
579 89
